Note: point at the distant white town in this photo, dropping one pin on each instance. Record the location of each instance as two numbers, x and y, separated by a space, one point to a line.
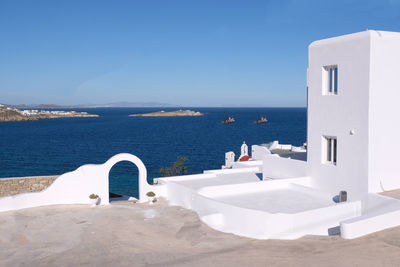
14 114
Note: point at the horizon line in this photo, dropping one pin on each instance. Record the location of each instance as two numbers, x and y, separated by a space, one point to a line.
169 107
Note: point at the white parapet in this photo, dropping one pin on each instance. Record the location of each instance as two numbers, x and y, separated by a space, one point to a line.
379 213
259 152
282 209
76 186
275 167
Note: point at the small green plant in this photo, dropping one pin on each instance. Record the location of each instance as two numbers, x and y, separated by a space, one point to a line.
150 194
93 196
178 168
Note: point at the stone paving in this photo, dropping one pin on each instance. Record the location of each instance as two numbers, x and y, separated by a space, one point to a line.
127 234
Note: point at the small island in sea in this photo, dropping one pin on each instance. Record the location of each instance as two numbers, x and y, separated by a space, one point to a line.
13 114
176 113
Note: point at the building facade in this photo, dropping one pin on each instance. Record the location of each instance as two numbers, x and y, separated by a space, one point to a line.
353 89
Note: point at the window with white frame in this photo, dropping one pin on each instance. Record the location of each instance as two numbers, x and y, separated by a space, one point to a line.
330 80
329 150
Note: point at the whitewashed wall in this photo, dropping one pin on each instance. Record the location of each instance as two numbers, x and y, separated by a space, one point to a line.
379 213
337 115
75 187
384 127
276 167
259 152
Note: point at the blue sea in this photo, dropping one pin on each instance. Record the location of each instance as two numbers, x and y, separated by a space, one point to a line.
56 146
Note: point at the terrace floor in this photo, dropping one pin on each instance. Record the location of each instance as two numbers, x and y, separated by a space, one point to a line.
284 200
127 234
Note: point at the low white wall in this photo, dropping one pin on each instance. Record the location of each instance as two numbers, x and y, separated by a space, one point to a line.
76 186
235 170
380 213
276 167
285 147
275 145
259 152
298 149
163 180
365 225
321 221
255 223
247 164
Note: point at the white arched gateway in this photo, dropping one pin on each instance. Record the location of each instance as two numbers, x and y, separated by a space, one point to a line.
76 186
144 187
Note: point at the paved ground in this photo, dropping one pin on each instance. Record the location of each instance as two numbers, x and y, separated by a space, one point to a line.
142 235
393 193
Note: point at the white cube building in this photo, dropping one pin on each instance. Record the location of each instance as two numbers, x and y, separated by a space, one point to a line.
353 92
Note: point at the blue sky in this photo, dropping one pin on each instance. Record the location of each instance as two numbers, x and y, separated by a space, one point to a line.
190 53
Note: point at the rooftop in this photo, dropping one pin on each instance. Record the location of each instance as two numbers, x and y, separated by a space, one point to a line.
283 200
357 35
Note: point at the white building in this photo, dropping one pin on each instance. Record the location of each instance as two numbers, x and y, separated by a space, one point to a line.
353 89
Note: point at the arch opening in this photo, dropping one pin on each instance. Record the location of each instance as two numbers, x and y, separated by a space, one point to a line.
123 181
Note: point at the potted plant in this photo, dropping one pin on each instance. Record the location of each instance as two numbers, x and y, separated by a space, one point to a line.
151 197
94 199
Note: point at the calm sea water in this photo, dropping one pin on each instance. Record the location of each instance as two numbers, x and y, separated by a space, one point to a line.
51 147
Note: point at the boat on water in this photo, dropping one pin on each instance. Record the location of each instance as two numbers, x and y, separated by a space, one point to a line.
228 120
260 120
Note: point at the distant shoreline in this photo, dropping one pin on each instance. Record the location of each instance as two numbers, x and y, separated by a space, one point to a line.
87 106
176 113
8 114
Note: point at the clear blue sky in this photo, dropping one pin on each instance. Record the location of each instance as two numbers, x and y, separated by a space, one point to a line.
191 53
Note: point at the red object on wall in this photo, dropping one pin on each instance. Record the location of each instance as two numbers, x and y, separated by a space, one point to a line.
245 158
